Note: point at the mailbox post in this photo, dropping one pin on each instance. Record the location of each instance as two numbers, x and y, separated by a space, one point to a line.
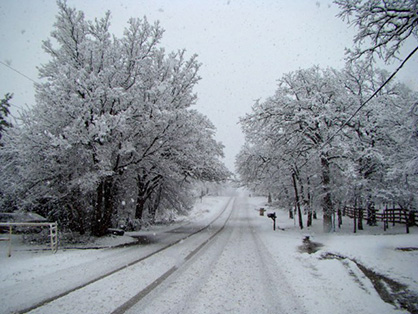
273 217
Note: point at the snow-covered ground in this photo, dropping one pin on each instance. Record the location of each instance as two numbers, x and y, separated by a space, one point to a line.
331 285
30 276
230 267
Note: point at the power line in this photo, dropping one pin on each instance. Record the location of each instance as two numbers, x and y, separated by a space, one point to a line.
364 103
370 98
18 72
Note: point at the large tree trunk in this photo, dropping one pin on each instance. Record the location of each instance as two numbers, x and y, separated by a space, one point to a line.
146 188
140 206
303 199
360 219
309 219
103 208
140 201
155 204
327 200
76 217
309 202
297 201
287 197
141 195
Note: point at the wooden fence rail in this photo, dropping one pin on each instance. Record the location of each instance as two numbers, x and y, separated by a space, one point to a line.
388 215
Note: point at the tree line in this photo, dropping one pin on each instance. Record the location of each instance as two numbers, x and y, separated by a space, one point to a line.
329 138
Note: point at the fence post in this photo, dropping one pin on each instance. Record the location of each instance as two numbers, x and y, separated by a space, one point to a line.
393 216
355 219
53 233
340 218
10 241
406 220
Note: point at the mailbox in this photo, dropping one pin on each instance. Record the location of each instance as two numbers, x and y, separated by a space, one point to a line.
273 217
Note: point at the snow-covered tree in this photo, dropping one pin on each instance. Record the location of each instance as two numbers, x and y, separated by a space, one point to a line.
4 112
383 26
6 202
298 120
385 123
302 139
108 110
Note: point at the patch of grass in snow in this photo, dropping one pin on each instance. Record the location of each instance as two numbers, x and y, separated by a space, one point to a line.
407 249
389 290
309 247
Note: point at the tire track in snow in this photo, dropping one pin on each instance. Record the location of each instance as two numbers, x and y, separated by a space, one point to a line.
143 293
173 303
122 268
279 288
235 273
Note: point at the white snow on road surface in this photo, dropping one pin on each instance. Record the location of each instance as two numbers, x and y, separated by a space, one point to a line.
235 274
247 268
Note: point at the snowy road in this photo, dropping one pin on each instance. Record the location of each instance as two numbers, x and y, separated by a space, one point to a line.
236 265
44 277
227 268
233 273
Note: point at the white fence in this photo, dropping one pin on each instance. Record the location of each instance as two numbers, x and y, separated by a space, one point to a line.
53 232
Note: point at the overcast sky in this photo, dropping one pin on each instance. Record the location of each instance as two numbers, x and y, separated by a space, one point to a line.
244 47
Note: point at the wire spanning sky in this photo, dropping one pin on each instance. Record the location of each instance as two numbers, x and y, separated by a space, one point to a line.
244 47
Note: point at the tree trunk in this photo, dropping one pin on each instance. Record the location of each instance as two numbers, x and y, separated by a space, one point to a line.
97 211
309 222
340 217
146 188
302 199
76 217
360 219
108 205
156 204
140 205
287 197
326 200
141 196
291 213
103 208
297 202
